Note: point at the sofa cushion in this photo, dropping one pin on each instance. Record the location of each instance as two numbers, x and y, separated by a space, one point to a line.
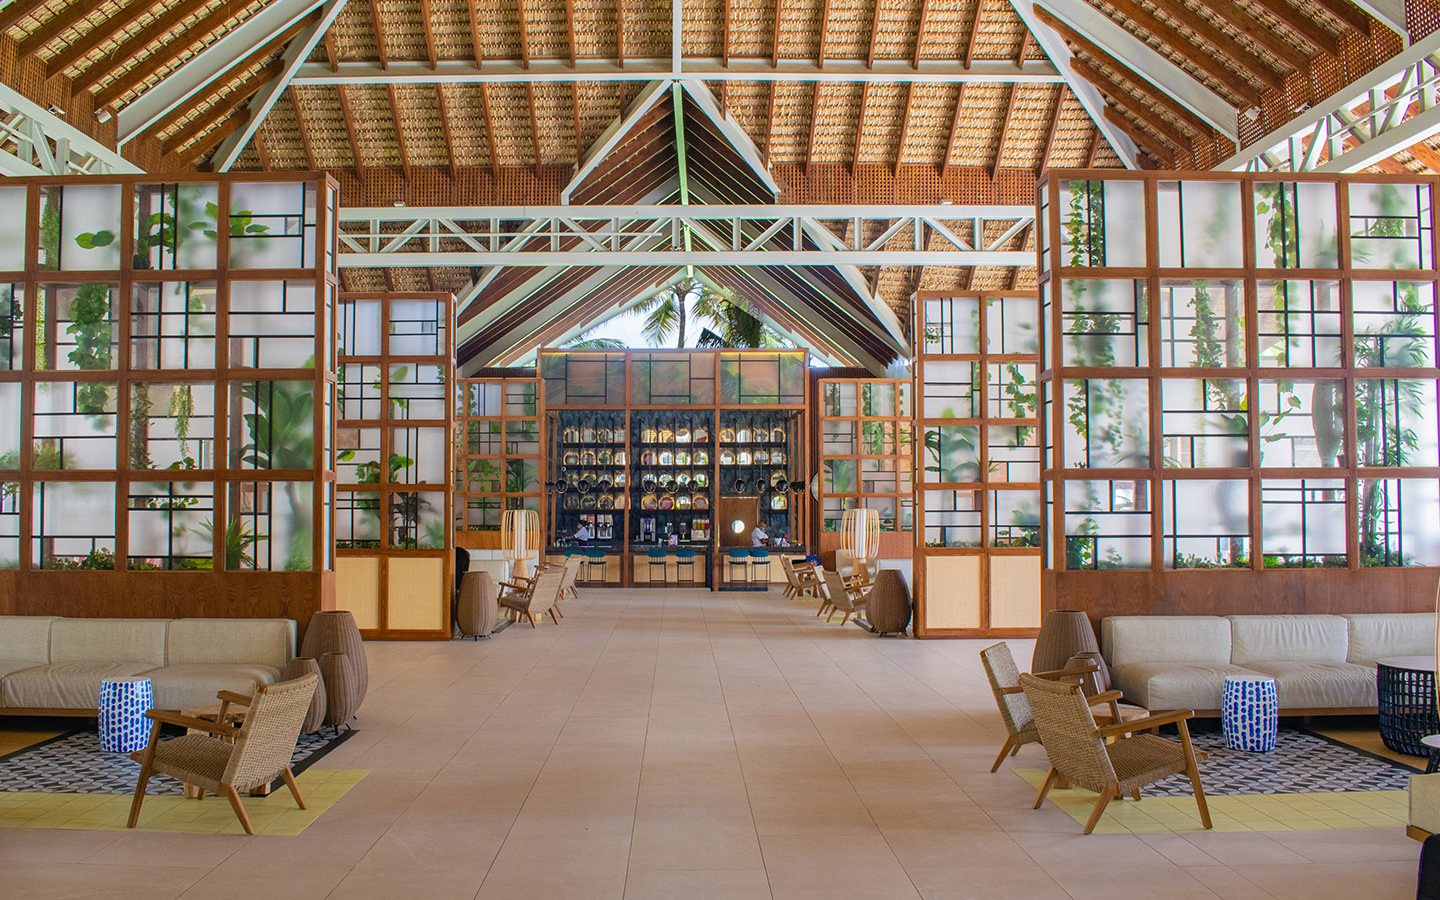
107 641
1181 639
1425 802
266 642
1320 685
196 684
1161 685
26 637
1378 635
1288 639
68 685
9 666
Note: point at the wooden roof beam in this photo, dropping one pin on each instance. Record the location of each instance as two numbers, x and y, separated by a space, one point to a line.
441 108
534 124
1193 53
52 28
130 45
524 33
304 131
775 45
1025 40
1307 27
262 150
954 130
399 130
209 141
1257 31
78 48
824 32
1137 86
570 29
489 128
904 128
1348 13
1427 156
575 110
620 33
429 33
1054 131
874 32
379 34
163 56
1227 45
770 127
14 13
330 56
350 132
860 126
814 121
1093 153
1155 146
477 46
922 28
974 30
222 108
1004 131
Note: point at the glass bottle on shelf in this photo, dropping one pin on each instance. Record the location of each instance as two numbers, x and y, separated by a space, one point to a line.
587 432
570 435
700 434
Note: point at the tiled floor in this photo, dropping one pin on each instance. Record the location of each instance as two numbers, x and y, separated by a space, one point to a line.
685 745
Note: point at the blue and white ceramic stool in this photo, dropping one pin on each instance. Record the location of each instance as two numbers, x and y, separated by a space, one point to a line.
1250 713
123 704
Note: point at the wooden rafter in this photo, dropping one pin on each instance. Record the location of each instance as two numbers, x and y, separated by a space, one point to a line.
1227 45
132 44
1427 156
814 121
770 126
824 33
1257 31
219 110
905 126
1161 127
1307 27
524 33
262 149
725 49
920 32
860 126
441 107
1024 239
723 93
78 48
399 129
1199 57
14 13
1129 94
874 32
300 127
974 30
379 34
1054 131
429 34
1155 146
477 46
52 28
575 110
570 29
1094 152
489 128
954 129
1025 40
213 139
330 56
534 123
775 45
350 130
620 32
1348 13
162 58
1004 131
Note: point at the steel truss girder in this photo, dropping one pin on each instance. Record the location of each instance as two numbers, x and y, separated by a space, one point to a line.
35 141
1384 111
507 236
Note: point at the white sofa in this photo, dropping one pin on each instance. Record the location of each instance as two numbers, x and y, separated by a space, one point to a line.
1320 663
53 666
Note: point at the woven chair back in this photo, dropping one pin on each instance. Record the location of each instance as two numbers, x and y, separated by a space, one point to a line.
272 725
789 568
838 593
1000 668
572 569
1068 732
545 590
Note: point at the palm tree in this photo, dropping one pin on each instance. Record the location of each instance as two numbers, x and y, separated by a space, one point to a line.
666 312
736 326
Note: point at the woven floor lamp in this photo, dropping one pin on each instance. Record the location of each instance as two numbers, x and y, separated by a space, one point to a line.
860 537
520 539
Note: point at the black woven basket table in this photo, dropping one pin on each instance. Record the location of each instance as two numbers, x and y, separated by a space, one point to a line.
1405 686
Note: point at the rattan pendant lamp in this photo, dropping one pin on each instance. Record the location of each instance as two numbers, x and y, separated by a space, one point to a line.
520 539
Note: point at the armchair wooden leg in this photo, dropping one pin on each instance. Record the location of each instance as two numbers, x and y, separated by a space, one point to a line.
1101 802
289 777
1193 772
1006 748
553 617
1136 794
144 779
556 611
239 807
1045 788
531 617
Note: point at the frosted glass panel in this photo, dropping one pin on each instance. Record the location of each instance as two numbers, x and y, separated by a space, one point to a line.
421 455
74 425
1107 424
1098 223
10 393
267 226
1295 225
1200 224
81 224
1104 322
1107 525
1390 226
1202 323
12 229
176 226
73 523
359 328
417 520
272 521
1302 423
272 324
1302 522
171 525
1394 323
172 426
1206 523
172 325
1398 526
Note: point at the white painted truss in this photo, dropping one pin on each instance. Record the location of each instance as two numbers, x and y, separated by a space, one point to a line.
36 141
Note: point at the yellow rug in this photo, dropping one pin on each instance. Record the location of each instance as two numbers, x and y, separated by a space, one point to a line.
1251 812
276 814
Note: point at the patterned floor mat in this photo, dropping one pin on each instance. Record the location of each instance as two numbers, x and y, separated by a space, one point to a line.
1302 762
74 764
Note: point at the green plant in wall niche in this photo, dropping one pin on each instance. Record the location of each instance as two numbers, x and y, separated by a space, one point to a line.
98 560
1282 234
140 427
90 326
239 538
49 235
1390 223
182 407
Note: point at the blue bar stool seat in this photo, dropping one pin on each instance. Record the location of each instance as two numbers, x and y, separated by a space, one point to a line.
760 559
739 556
685 566
658 558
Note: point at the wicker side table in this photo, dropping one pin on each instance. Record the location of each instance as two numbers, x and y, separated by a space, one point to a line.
1405 689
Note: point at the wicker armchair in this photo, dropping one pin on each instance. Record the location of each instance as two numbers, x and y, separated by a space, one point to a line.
846 595
1004 678
1078 751
800 578
572 568
535 596
260 751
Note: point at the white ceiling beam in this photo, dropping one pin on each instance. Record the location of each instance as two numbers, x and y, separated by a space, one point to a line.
298 50
213 62
1059 53
706 102
656 211
1391 14
1385 145
28 132
616 133
1143 59
693 69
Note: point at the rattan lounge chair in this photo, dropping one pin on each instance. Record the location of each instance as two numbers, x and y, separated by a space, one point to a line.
251 756
1079 753
537 596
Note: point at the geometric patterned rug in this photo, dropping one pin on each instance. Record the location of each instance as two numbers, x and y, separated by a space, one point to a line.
73 763
1301 763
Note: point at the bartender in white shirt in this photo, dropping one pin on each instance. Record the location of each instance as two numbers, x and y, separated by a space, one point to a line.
758 537
582 534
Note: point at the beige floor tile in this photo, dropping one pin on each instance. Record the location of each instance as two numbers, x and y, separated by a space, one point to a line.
787 809
1022 880
1386 880
582 867
662 884
823 867
703 838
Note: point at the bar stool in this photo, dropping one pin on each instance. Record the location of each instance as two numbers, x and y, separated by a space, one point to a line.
594 559
685 563
658 558
741 557
760 557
